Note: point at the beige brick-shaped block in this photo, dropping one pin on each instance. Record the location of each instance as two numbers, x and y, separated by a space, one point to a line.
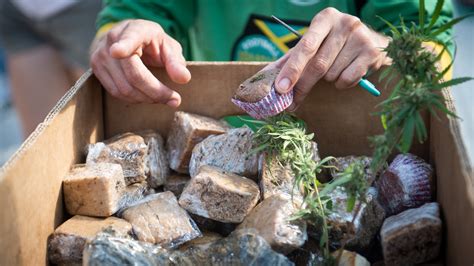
128 149
271 218
66 244
159 219
413 236
157 158
230 152
186 131
219 195
94 190
176 183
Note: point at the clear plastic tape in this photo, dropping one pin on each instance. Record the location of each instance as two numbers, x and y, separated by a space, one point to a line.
131 195
129 150
157 159
110 250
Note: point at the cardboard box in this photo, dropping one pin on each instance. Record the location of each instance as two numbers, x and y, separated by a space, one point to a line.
31 201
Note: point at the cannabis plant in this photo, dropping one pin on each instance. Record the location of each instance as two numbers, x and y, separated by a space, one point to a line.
416 91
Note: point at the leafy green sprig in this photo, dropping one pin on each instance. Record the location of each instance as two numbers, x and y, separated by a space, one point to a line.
285 136
418 87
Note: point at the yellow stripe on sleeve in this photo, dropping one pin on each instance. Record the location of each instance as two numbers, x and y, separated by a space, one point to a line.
104 29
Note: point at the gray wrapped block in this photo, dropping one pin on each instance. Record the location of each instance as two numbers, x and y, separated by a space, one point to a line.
242 247
230 152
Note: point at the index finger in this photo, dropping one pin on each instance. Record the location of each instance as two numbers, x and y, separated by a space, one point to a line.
304 50
141 78
135 35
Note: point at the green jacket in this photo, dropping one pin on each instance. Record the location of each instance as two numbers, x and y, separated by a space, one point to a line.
242 30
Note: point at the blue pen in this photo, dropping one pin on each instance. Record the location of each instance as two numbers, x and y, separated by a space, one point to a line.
365 84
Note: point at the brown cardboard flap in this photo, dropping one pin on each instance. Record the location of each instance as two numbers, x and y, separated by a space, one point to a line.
30 182
455 187
342 120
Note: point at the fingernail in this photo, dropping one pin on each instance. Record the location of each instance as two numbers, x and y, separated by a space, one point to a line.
173 103
284 85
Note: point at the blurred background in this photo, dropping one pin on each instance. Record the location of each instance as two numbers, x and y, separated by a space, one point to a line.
61 42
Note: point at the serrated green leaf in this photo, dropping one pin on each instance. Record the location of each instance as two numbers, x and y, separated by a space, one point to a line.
384 73
436 13
390 25
407 135
448 25
421 15
420 128
452 82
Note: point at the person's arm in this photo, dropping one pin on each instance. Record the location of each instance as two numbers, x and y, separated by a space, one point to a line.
133 35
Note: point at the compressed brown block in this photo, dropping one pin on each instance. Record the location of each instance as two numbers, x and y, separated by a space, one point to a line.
230 152
413 236
271 218
159 219
66 244
219 195
186 131
94 190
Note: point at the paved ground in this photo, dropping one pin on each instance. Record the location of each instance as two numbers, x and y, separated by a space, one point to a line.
10 136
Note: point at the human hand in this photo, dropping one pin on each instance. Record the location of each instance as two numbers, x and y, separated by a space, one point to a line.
120 57
337 47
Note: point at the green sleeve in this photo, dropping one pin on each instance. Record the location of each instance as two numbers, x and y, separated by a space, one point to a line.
175 17
391 10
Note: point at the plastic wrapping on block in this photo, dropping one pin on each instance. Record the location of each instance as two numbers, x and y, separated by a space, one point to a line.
341 164
186 131
128 149
157 158
219 195
243 247
106 249
131 195
230 152
363 231
159 219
